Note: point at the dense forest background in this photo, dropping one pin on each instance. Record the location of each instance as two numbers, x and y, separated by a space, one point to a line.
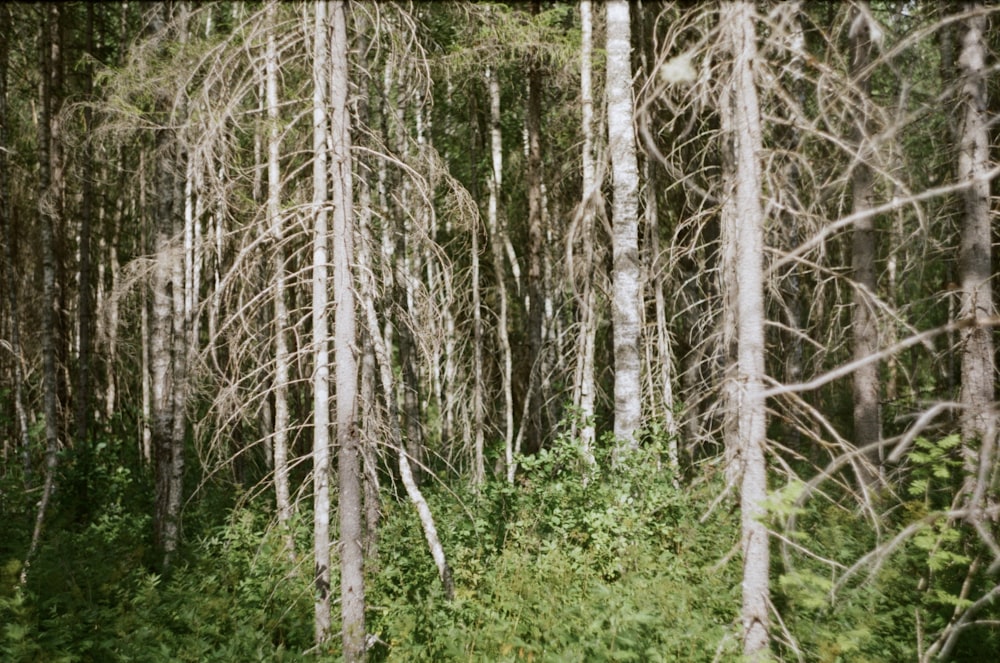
498 331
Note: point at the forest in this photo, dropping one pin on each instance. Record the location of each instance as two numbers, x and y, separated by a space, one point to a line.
499 331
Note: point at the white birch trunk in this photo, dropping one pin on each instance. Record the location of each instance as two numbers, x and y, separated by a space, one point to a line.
585 385
626 287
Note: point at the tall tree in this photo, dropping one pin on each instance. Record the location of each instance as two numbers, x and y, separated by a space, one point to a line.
584 382
534 425
167 339
85 315
349 504
320 327
50 184
497 240
626 311
975 266
282 356
743 238
864 328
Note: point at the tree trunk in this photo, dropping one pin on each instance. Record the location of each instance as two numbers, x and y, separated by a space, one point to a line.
585 384
282 359
380 350
867 426
350 508
535 425
85 318
48 208
975 250
743 236
321 353
166 326
626 311
497 234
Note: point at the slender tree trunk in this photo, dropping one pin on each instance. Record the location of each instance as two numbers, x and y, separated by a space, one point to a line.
85 318
627 304
496 251
743 236
535 424
585 384
381 352
370 430
282 357
479 435
867 426
350 507
975 249
166 324
321 353
48 208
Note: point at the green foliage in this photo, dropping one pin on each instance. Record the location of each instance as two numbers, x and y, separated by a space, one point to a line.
90 595
563 566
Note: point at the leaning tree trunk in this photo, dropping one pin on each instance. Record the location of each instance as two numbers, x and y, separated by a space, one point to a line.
975 249
349 504
743 238
626 307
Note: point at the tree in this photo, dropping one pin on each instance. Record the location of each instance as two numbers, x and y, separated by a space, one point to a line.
349 504
50 185
626 302
975 270
584 382
168 344
743 238
867 421
276 226
497 242
320 335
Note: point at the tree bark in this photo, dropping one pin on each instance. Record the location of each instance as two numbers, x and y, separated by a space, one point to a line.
535 424
743 237
321 352
626 308
282 357
352 588
166 325
497 234
867 422
585 384
975 249
48 208
85 317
